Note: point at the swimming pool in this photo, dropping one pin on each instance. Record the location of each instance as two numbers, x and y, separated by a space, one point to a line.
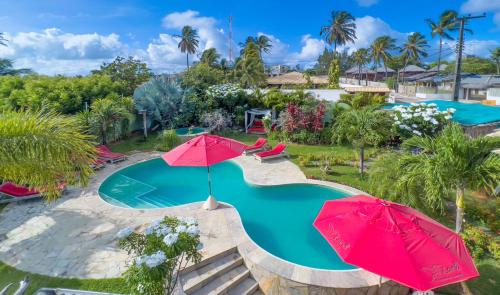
190 131
277 218
466 113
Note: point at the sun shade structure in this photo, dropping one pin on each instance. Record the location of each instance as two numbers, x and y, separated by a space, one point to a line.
395 241
204 151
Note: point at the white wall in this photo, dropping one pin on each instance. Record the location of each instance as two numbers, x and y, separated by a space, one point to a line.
325 94
433 96
494 94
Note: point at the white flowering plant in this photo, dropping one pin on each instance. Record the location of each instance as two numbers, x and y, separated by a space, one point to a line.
223 91
420 119
159 252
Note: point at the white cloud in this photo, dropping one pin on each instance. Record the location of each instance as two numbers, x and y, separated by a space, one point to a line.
53 51
368 28
366 3
280 52
480 6
210 35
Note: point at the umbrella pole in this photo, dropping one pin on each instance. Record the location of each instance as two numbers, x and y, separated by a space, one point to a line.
209 182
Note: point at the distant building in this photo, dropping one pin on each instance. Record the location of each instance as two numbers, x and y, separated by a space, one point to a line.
277 70
295 79
410 70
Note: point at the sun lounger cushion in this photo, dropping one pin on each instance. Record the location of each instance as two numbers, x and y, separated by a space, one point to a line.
11 189
258 144
278 149
104 152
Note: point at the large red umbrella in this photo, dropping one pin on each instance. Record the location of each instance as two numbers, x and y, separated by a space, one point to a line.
395 241
205 150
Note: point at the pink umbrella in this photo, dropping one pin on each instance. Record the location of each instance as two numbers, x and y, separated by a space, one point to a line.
205 150
395 241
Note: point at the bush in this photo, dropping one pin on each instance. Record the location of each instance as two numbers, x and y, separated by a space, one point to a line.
420 119
391 82
168 139
217 120
165 246
494 249
476 240
346 98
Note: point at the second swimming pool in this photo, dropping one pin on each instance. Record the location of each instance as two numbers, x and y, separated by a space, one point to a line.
278 218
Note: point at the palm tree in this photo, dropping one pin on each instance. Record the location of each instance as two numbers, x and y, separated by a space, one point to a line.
250 67
264 44
189 42
452 161
341 29
3 41
109 118
447 24
43 150
362 127
210 57
495 56
381 50
7 68
360 58
414 49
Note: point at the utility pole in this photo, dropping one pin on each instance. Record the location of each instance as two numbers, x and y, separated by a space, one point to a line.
230 39
460 45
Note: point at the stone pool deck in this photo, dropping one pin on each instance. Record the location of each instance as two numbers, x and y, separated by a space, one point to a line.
75 236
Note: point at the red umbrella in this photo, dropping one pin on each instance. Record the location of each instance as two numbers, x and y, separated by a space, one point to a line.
395 241
205 150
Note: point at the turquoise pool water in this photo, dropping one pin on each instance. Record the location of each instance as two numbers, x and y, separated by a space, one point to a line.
467 113
189 131
277 218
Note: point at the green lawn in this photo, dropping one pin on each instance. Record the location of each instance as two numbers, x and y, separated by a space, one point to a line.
486 284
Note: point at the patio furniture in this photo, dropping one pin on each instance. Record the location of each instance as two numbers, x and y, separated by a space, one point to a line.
204 151
278 151
12 193
98 164
107 155
395 242
259 145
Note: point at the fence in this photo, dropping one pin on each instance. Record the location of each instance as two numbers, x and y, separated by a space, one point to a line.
350 81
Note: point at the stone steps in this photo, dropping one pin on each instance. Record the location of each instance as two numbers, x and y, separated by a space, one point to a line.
223 273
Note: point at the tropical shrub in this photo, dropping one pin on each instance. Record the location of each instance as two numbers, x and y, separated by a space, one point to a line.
346 98
167 140
108 119
43 149
200 77
166 102
302 123
476 240
360 100
391 82
334 74
230 98
420 119
158 253
217 120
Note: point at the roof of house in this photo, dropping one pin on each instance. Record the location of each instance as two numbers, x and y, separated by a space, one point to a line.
382 70
367 89
480 81
412 68
355 70
442 67
421 77
294 78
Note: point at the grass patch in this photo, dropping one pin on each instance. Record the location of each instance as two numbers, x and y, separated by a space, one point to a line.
12 275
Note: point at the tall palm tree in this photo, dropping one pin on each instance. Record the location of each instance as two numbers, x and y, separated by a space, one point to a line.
452 162
3 41
43 150
264 44
446 24
381 50
414 49
250 67
362 127
360 58
340 30
189 42
495 56
210 57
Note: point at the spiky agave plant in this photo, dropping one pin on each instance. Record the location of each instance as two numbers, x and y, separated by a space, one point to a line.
43 149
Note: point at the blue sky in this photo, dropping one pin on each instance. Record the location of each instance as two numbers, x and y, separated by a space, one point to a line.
73 37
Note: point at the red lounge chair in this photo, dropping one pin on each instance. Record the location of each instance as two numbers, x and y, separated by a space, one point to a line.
277 152
98 164
108 156
259 145
257 128
15 193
